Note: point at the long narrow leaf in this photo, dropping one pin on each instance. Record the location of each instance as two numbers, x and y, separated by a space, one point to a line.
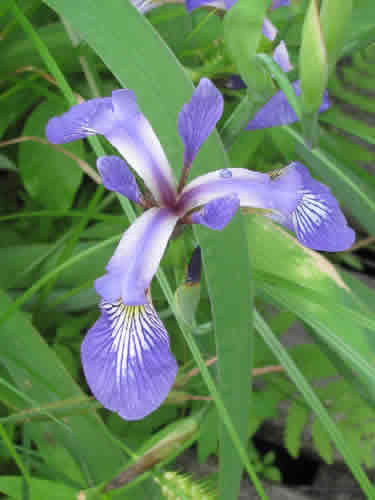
143 67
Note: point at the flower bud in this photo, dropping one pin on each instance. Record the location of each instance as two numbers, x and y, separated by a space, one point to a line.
312 61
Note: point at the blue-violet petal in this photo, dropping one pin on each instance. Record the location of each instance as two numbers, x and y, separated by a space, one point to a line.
127 360
198 117
116 176
217 213
277 111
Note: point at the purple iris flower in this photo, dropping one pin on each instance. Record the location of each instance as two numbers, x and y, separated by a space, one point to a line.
277 111
280 53
126 355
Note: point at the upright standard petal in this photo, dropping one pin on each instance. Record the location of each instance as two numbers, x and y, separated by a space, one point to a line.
135 139
117 177
277 111
122 123
317 219
217 213
281 57
127 360
137 257
252 188
88 118
198 117
269 30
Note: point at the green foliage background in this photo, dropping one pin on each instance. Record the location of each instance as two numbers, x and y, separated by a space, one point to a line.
59 229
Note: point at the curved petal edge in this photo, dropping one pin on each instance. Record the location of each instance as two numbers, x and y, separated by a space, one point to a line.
127 361
198 117
318 220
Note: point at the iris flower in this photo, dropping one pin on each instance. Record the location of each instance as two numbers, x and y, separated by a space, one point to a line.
277 111
280 53
126 355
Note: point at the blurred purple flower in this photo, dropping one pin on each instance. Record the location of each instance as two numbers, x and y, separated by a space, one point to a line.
126 355
280 53
277 111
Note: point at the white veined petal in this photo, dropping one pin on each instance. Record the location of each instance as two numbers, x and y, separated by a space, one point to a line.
317 218
127 360
136 140
137 256
250 187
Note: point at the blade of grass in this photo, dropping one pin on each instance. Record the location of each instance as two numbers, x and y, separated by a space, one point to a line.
69 95
31 402
52 274
288 300
13 452
313 401
59 213
62 408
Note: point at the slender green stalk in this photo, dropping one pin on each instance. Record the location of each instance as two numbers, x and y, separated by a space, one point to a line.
284 84
13 452
44 52
89 75
75 237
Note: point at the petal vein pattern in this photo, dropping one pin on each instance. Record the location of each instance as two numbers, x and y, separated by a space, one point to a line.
254 189
317 220
127 361
198 117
